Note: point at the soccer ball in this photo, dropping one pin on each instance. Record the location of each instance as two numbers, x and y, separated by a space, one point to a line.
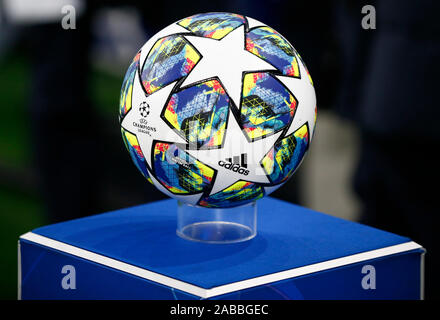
217 110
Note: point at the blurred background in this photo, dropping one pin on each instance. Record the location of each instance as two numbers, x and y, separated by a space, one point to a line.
372 159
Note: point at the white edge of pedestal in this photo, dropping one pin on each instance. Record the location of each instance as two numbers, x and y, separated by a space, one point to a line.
422 275
227 288
18 271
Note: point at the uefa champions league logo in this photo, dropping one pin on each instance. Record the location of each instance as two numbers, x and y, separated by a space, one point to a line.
144 109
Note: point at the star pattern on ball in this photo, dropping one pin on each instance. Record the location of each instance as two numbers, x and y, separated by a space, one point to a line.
226 59
235 145
154 128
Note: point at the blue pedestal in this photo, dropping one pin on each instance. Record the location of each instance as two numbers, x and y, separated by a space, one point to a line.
298 253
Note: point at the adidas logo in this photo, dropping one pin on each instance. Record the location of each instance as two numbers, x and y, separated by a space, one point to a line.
236 164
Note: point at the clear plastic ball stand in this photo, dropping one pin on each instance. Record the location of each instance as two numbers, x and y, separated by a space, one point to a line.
215 225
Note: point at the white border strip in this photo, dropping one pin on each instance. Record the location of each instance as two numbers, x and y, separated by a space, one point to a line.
227 288
373 254
422 276
18 271
115 264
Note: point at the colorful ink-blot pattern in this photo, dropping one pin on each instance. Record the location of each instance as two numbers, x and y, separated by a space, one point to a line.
267 106
127 87
170 59
136 154
286 155
179 172
200 113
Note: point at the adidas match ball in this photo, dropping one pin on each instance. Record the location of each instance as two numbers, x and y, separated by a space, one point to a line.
217 110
